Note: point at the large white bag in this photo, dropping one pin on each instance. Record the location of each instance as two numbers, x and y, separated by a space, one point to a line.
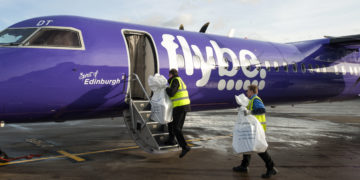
242 100
248 134
161 105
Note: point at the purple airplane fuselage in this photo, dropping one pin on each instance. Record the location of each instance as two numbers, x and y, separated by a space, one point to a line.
40 82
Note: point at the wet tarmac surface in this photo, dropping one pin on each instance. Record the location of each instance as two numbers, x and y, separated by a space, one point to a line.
309 141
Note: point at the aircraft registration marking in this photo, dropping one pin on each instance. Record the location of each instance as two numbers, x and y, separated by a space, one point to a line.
44 22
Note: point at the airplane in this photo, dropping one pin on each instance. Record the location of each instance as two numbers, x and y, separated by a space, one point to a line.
59 68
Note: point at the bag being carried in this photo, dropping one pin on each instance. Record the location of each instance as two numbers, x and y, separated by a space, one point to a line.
248 134
242 100
161 105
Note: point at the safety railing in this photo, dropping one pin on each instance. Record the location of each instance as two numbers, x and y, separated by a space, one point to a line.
135 78
134 121
141 85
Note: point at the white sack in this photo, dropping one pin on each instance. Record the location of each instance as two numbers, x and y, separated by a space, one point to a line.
248 134
157 82
161 105
242 100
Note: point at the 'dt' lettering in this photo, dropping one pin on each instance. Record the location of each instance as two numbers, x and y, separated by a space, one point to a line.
44 22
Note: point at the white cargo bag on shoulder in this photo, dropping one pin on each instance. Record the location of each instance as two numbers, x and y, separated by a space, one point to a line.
242 100
248 134
161 105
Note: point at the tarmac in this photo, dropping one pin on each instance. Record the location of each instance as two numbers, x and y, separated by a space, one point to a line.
306 141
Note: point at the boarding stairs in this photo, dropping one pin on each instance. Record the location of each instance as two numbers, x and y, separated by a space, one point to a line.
148 133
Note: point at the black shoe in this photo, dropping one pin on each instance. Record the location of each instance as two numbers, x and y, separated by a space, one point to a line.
241 169
270 173
184 151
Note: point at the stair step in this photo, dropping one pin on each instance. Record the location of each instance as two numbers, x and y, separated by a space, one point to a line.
145 115
148 134
142 105
152 123
157 128
160 134
161 138
168 147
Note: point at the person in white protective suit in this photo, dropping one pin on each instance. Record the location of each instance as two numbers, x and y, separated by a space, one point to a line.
256 107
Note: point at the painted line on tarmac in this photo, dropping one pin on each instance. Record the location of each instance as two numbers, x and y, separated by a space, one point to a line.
75 156
63 156
71 156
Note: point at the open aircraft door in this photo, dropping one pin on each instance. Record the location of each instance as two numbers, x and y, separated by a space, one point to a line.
147 133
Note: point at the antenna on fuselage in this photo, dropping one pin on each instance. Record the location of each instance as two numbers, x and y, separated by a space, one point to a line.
204 27
181 27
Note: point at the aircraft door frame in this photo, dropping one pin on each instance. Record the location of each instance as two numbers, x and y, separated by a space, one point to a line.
129 32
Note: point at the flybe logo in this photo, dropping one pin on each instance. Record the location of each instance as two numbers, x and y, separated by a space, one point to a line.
207 63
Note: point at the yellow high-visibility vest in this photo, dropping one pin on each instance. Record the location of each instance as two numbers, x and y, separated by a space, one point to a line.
181 97
261 118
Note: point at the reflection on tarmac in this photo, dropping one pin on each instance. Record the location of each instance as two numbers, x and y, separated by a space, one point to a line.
309 141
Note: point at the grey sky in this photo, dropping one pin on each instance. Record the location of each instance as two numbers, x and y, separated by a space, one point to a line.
272 20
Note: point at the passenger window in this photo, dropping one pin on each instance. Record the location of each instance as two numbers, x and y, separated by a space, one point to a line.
258 66
324 69
310 68
294 67
343 70
355 71
276 66
55 38
303 68
238 66
336 70
267 65
317 68
351 71
286 68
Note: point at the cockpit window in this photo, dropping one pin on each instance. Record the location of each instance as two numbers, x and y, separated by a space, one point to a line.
55 38
13 37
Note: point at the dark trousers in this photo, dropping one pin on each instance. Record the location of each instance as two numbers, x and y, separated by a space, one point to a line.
175 127
265 156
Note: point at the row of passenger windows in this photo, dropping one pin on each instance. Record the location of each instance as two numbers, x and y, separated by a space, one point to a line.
277 67
313 68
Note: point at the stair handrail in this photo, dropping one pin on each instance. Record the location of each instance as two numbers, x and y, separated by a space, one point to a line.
132 111
147 96
141 85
